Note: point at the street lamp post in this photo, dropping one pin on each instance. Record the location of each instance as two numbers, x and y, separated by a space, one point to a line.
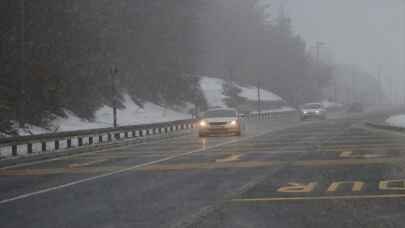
21 99
114 71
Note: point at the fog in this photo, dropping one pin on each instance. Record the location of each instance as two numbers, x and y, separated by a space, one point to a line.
368 33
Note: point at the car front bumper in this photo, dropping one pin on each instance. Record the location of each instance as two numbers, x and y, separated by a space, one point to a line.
219 130
312 115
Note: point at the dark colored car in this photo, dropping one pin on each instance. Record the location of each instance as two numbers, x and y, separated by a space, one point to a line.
356 107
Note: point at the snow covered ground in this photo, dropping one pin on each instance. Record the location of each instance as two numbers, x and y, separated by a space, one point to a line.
397 120
131 115
213 91
250 93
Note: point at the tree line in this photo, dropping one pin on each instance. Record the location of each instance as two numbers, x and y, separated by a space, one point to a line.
58 55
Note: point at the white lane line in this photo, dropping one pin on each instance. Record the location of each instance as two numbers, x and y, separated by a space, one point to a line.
62 157
46 190
78 165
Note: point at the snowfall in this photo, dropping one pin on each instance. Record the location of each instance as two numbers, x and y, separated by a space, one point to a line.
132 114
397 120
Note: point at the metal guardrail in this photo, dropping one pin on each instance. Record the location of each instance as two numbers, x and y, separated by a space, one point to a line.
271 115
15 146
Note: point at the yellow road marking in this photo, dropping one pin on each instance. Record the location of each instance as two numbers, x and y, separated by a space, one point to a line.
362 146
199 166
256 164
349 154
231 158
277 199
78 165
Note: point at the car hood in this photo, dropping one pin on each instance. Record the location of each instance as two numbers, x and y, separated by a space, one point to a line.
311 110
220 119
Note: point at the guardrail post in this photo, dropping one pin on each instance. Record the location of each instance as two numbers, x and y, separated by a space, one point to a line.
56 144
140 132
90 140
126 134
14 150
80 141
100 139
43 145
29 148
109 137
69 143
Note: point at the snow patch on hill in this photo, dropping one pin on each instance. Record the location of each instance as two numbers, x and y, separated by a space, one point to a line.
213 92
397 120
250 93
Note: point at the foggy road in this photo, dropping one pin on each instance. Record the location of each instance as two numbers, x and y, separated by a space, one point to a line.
282 173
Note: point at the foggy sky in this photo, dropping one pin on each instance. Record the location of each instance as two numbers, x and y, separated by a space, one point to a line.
362 32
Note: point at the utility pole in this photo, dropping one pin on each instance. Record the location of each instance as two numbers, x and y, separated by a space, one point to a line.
381 94
259 102
114 72
352 86
335 88
318 47
21 100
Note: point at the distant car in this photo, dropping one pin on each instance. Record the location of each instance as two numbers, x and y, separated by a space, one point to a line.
356 107
312 110
216 121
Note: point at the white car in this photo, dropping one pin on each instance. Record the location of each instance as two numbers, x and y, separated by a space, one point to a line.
312 110
225 121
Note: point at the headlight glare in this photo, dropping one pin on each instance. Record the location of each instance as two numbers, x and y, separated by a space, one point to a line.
233 123
203 123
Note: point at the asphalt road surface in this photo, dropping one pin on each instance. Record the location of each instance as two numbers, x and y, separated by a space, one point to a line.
280 173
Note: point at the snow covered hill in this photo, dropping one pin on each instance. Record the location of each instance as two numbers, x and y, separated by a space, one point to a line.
132 114
214 93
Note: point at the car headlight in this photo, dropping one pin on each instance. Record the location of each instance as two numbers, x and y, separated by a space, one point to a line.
203 123
318 112
233 123
305 112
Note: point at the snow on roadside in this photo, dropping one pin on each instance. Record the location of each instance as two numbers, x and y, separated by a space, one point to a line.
397 120
131 115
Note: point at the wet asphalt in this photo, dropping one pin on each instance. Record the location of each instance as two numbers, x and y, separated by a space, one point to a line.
280 173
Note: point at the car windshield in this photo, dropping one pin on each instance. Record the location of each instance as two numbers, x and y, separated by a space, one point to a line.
220 113
312 106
